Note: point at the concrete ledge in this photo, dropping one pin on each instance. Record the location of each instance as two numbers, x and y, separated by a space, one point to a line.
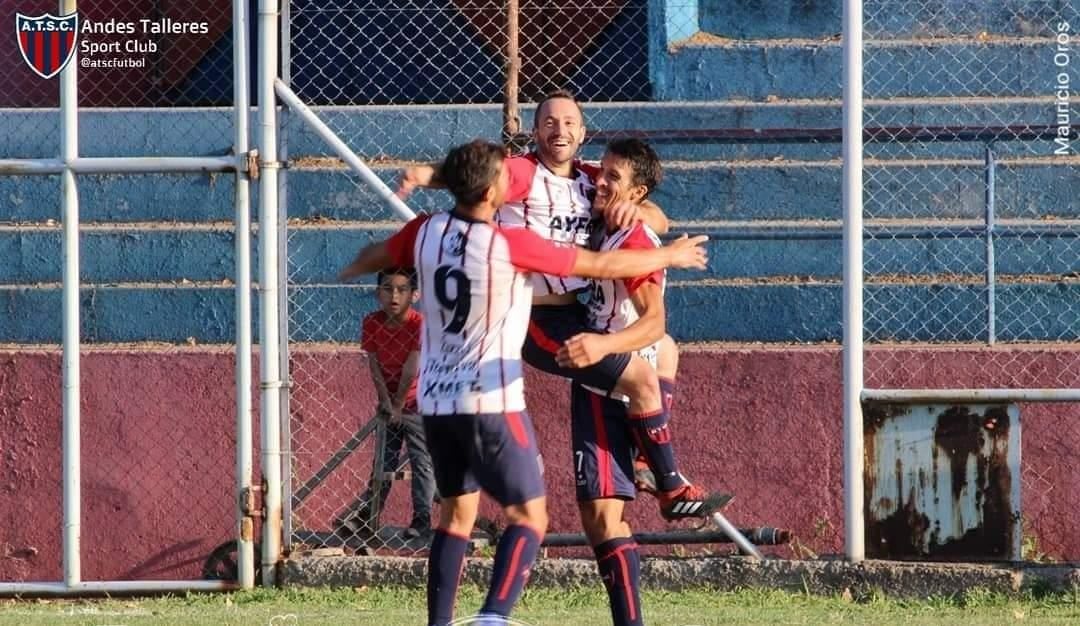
701 311
896 579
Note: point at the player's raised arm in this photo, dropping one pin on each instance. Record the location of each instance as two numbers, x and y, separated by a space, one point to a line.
531 253
426 175
685 252
397 251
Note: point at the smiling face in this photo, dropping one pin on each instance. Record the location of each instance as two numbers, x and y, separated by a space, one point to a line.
559 132
615 183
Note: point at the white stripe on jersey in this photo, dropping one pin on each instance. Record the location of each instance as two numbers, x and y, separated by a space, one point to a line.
476 309
558 209
610 306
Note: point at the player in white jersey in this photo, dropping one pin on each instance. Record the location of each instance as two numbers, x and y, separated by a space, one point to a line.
550 194
627 315
476 297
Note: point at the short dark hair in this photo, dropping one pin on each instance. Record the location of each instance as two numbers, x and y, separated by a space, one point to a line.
407 272
644 163
470 169
556 95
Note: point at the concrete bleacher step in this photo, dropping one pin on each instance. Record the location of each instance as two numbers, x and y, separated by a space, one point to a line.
895 18
708 311
1028 187
708 68
425 132
187 255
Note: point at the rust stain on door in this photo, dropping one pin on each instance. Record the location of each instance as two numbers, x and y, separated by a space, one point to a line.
942 482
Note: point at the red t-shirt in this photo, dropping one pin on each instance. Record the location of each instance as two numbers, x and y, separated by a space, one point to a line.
390 345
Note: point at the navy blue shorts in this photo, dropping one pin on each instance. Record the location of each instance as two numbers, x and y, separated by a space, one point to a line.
602 444
549 328
495 452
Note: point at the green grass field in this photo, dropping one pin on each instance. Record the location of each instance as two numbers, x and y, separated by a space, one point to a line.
397 606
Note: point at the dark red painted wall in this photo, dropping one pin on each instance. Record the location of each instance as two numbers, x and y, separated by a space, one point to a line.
158 451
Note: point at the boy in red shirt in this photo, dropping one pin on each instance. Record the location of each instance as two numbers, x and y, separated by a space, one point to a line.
391 337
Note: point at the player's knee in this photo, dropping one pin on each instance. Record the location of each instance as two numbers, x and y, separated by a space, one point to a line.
667 357
640 382
601 523
532 514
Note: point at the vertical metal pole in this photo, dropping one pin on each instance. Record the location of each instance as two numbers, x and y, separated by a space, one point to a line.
270 386
991 270
511 113
69 131
245 557
282 241
854 524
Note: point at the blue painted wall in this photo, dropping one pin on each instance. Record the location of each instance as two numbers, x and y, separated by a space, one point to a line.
158 257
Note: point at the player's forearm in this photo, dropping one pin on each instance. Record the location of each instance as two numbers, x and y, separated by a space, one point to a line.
654 217
371 259
620 263
643 333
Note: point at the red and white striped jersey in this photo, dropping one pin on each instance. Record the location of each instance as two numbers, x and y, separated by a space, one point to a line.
556 208
475 297
610 307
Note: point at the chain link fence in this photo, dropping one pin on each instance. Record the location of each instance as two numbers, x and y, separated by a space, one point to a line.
400 83
157 302
959 128
971 234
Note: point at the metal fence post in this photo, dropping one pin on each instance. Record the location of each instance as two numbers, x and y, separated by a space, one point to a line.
853 285
511 112
245 553
268 287
69 125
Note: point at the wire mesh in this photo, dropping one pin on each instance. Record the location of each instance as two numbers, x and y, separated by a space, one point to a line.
955 117
157 269
971 202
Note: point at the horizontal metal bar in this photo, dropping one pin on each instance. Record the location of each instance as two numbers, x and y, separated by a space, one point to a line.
791 231
22 167
911 396
759 536
878 134
150 165
120 165
135 587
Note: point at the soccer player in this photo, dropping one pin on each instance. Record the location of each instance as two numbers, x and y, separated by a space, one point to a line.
549 194
628 316
475 295
391 337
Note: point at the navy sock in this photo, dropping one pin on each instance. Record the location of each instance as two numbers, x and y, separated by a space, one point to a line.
444 571
653 439
620 568
513 558
667 394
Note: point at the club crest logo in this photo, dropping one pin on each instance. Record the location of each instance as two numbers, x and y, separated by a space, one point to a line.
47 42
455 245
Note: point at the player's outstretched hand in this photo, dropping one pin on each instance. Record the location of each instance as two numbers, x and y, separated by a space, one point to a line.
581 350
689 252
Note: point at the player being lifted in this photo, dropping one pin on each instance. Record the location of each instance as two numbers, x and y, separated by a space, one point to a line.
475 295
550 194
630 315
